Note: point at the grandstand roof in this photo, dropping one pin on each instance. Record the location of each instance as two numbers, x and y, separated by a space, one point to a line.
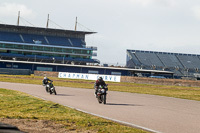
157 52
40 30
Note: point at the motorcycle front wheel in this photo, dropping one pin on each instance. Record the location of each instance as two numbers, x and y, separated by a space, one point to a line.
100 99
104 98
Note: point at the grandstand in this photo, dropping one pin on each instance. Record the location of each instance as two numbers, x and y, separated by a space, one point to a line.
181 64
36 44
45 49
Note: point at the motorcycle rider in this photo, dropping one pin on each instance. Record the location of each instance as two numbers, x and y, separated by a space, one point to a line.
98 82
45 82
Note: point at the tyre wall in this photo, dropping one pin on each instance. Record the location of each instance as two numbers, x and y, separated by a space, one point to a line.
46 73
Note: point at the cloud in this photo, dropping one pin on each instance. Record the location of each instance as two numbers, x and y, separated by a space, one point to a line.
11 9
145 3
196 11
142 2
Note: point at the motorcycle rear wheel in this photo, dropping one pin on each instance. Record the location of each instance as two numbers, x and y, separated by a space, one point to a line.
55 92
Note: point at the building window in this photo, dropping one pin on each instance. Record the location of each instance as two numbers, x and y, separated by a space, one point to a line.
47 49
8 65
9 46
116 73
15 66
57 50
28 47
93 72
3 51
77 51
19 46
67 50
44 69
39 48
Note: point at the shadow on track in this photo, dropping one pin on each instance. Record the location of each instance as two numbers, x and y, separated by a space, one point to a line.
118 104
64 95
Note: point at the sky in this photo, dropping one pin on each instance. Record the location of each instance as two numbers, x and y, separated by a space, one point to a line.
151 25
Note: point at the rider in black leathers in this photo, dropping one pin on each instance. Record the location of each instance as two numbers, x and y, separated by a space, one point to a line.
98 82
45 82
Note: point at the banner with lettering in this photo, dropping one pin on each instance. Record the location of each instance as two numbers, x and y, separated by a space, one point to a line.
112 78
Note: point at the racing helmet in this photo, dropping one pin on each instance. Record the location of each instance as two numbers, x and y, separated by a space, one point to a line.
100 79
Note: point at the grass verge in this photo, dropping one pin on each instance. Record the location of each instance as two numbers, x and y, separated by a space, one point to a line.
18 105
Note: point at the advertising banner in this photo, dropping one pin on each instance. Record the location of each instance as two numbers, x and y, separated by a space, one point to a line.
112 78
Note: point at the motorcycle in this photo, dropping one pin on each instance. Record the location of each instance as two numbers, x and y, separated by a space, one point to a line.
50 88
101 94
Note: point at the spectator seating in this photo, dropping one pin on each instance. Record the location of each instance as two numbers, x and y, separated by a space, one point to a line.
30 38
11 37
149 59
170 60
50 40
62 41
180 64
189 61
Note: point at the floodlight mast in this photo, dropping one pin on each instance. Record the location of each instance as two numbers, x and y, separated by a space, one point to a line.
18 18
47 26
76 24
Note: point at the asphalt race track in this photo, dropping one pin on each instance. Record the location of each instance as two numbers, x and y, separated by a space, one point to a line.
153 113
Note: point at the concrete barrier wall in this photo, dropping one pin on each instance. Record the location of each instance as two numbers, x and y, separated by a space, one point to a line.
140 80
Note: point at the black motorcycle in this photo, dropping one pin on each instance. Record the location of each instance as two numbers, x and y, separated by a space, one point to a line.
50 88
101 94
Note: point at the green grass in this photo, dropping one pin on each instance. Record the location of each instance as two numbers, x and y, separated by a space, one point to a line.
18 105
